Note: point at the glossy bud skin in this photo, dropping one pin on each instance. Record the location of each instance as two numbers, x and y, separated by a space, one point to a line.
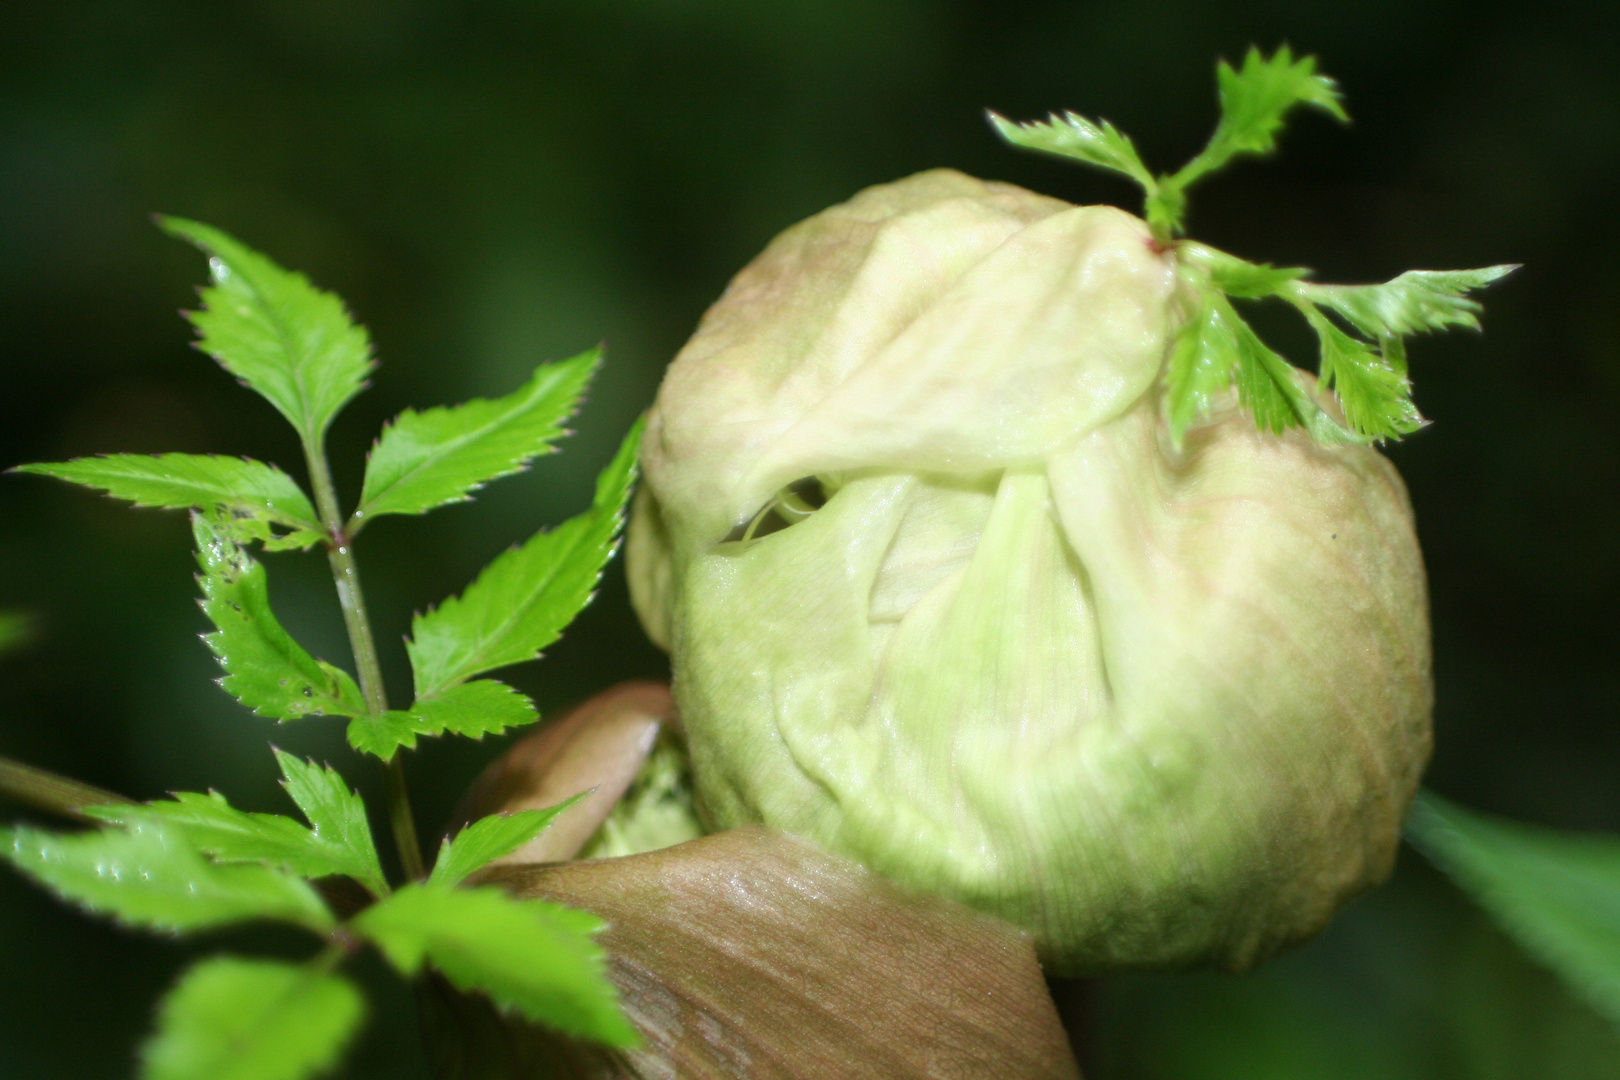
1158 706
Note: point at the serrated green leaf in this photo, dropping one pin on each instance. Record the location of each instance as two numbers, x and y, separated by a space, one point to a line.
521 602
337 817
148 873
532 956
487 839
1254 101
1072 136
234 1019
1239 278
1217 349
1376 396
381 734
271 328
1557 893
178 481
297 540
266 670
478 708
428 459
1269 386
214 826
1203 364
1414 302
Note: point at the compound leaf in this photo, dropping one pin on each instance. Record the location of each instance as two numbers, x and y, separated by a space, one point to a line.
487 839
521 602
531 956
1070 135
234 1019
1414 302
1557 893
289 341
428 459
265 669
177 481
148 873
478 708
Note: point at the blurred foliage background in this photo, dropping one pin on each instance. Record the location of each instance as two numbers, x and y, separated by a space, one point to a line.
492 183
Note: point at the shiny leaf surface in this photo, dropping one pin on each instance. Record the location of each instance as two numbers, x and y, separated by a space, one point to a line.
149 874
292 343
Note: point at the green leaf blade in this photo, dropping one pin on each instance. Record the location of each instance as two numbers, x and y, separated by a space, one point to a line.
337 818
1556 893
531 956
1375 393
265 669
1072 136
235 1019
475 709
215 827
521 602
1203 364
282 337
428 459
487 839
148 874
1255 99
1413 303
178 481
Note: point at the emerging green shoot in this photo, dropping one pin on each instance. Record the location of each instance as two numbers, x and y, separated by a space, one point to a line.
194 862
1216 350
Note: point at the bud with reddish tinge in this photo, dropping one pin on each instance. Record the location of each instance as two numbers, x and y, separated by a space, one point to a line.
943 594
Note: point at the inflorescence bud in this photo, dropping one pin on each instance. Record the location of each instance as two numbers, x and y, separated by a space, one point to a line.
944 595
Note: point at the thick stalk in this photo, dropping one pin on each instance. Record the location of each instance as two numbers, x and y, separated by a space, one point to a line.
353 602
47 791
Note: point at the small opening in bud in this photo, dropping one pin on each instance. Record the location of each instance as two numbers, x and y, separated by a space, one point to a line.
788 506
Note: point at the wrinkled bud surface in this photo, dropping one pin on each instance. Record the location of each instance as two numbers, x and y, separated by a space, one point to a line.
942 596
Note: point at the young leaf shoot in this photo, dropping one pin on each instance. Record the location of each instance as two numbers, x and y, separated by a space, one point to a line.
1217 349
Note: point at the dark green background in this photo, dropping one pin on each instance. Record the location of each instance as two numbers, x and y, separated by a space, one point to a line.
495 184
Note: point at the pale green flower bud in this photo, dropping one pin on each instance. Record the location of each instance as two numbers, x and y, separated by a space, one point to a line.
943 595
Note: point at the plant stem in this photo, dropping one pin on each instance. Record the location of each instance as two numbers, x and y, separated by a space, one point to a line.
47 791
353 601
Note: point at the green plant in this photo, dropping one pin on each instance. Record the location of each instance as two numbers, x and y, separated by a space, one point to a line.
193 862
995 550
